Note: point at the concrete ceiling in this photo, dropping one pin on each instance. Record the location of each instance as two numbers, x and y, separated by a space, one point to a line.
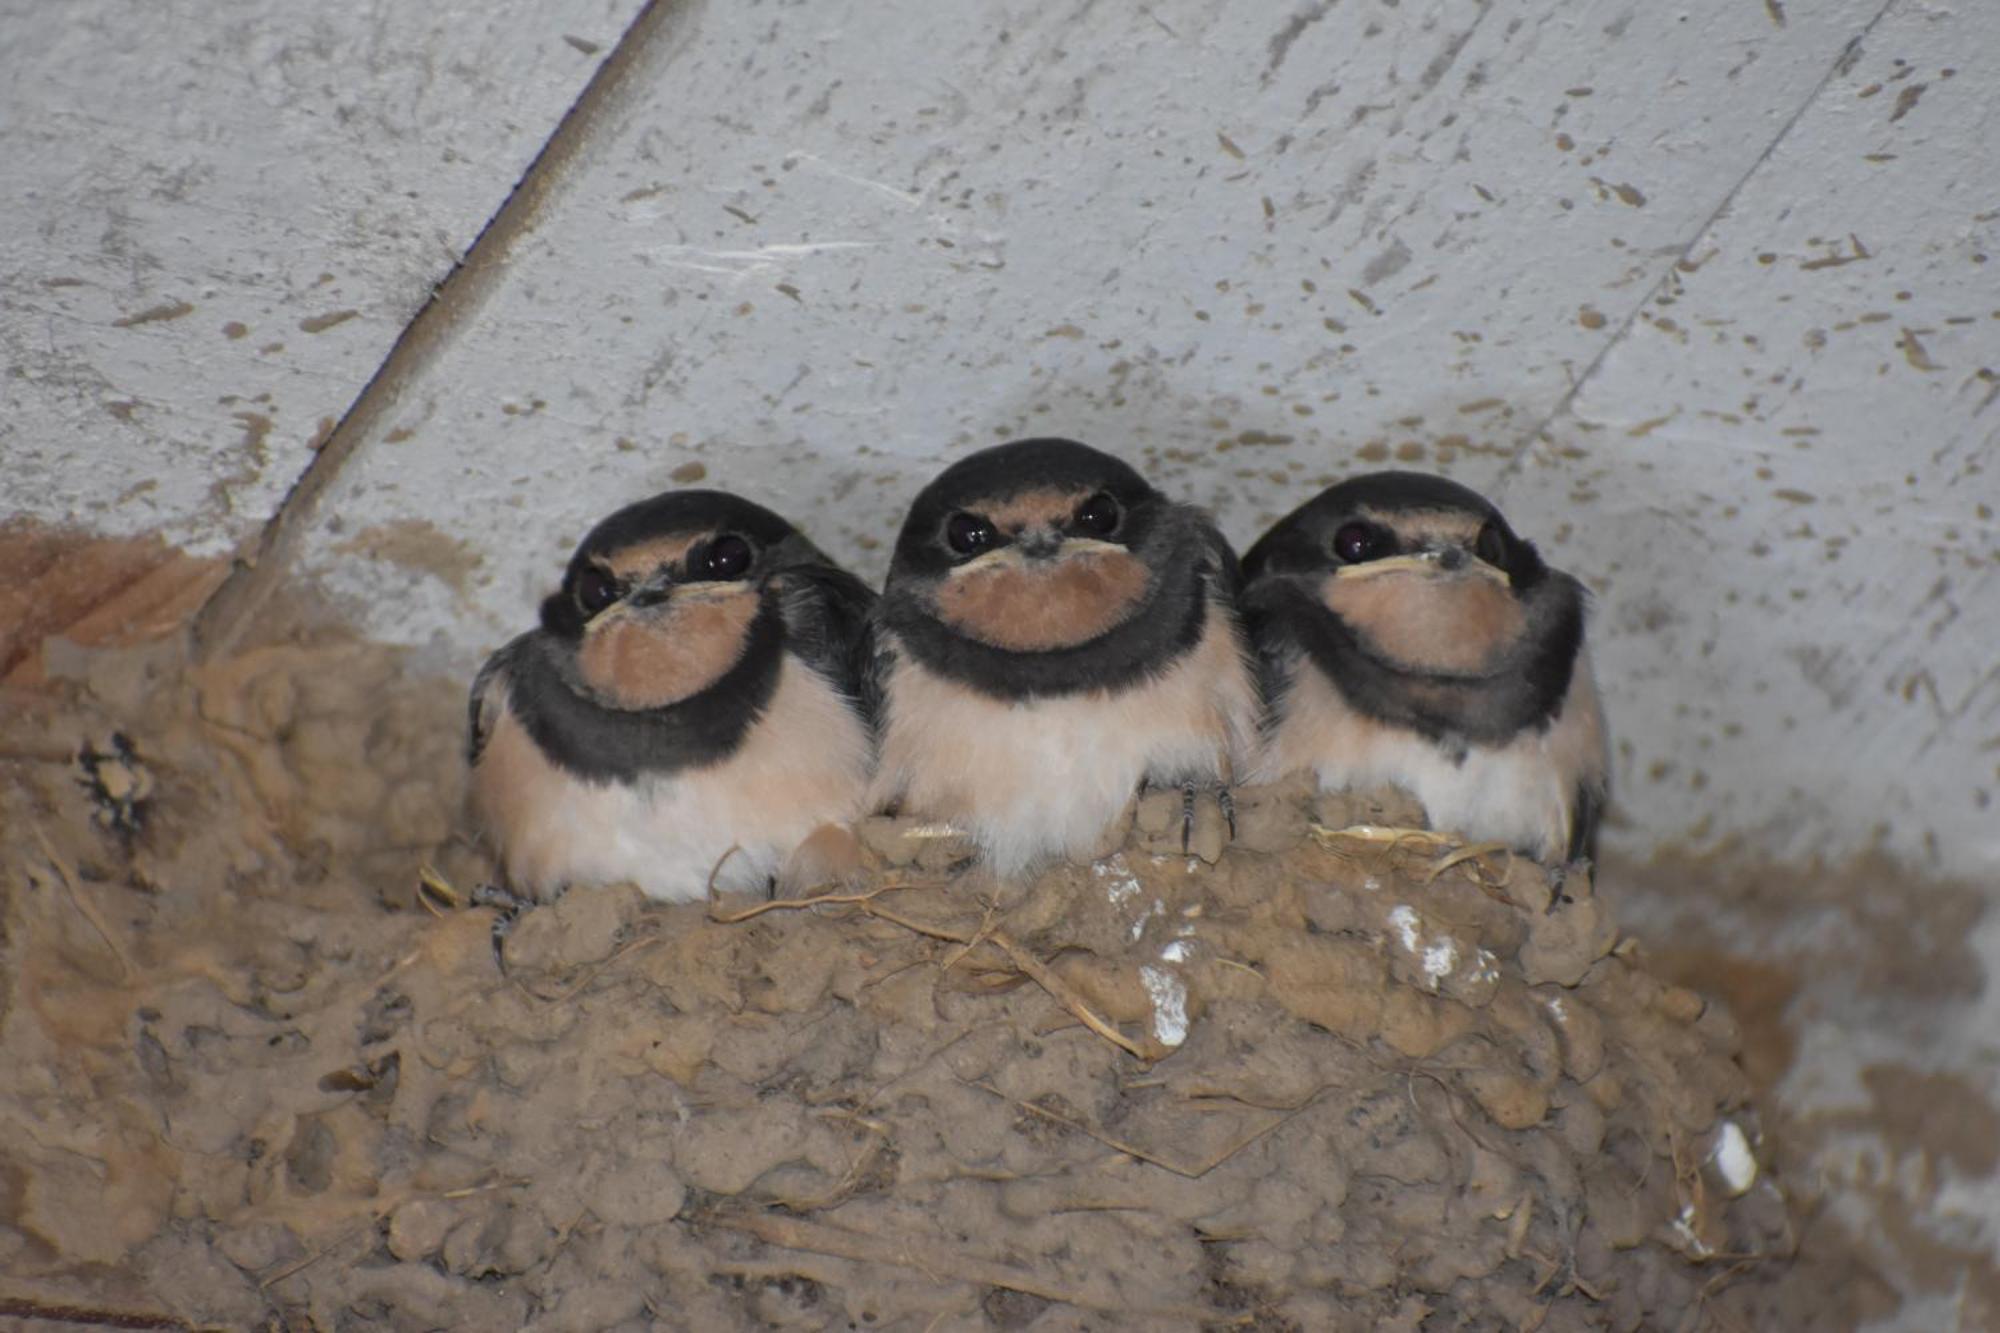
220 216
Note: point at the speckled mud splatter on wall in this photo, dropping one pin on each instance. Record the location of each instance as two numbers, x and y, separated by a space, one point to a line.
219 217
1784 477
1703 298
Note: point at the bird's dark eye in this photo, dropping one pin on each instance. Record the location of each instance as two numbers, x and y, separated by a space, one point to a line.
1492 545
967 534
1099 514
727 557
1358 542
595 590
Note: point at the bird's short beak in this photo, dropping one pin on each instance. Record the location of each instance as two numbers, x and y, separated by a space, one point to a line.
652 592
1432 562
656 592
1038 547
709 592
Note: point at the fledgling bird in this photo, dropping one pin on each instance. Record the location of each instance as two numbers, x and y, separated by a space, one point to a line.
693 688
1053 633
1408 636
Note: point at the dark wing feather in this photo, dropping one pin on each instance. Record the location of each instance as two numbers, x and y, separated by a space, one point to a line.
483 705
1223 573
1219 563
1586 812
878 660
1277 649
825 610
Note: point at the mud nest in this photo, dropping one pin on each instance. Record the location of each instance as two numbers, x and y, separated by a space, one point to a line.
267 1072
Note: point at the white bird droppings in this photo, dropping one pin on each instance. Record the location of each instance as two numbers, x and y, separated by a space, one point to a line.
1139 926
1404 918
1439 957
1170 1019
1683 1227
1122 886
1733 1158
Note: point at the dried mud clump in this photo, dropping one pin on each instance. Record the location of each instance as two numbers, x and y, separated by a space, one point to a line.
265 1074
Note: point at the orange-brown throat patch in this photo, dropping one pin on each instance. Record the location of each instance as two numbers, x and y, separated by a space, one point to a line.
654 656
1460 623
1036 608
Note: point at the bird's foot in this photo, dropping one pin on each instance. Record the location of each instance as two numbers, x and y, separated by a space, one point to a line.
507 907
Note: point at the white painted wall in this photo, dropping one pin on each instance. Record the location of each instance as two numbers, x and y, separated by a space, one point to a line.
1790 459
1597 258
218 215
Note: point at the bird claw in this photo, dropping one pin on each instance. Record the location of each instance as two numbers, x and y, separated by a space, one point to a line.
507 906
1201 836
1166 821
1559 874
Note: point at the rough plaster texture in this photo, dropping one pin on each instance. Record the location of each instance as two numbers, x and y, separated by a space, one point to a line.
219 217
1784 473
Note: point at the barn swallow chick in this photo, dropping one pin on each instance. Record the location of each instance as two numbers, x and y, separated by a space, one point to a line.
1053 633
1409 637
690 701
